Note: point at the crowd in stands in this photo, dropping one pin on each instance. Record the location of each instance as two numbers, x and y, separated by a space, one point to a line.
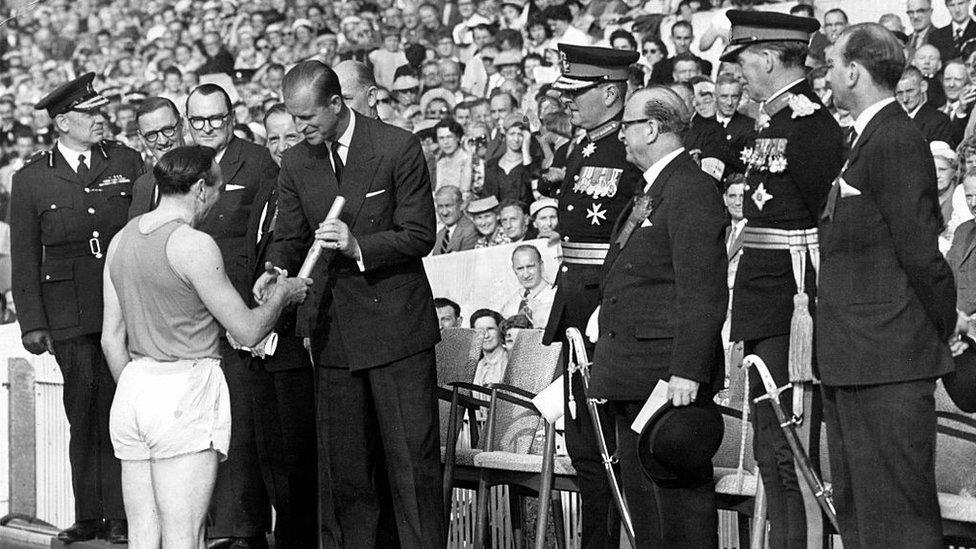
472 79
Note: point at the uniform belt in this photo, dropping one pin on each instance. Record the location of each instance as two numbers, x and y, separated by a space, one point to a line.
75 249
778 239
585 253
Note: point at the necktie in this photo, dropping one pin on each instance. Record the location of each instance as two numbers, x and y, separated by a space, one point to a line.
958 37
82 169
524 304
442 245
337 161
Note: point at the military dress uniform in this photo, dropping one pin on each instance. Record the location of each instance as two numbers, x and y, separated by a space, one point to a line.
789 169
62 221
598 185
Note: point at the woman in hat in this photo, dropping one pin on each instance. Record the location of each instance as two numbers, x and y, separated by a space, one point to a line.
509 177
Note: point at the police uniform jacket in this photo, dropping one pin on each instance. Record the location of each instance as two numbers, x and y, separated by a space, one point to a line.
664 292
598 184
785 188
887 302
60 230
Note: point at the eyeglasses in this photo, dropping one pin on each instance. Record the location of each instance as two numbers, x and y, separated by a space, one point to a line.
168 132
480 141
624 124
216 121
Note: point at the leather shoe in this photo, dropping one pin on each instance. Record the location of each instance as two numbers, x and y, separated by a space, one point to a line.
83 530
117 531
253 542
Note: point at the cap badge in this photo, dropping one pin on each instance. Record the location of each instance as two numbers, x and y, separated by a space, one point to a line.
563 62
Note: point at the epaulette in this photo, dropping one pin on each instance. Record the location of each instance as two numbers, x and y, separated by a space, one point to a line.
35 157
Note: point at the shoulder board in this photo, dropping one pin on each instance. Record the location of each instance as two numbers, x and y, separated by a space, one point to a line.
39 155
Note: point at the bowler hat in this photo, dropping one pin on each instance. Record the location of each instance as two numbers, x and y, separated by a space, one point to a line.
676 446
961 384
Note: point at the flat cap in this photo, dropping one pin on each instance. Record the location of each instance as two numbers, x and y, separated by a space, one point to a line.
482 205
586 66
755 27
76 95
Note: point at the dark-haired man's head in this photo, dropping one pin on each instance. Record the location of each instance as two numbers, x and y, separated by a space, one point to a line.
448 313
160 126
210 114
190 175
314 97
514 219
866 64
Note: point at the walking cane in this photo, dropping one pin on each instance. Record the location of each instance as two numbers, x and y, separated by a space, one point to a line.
803 460
578 361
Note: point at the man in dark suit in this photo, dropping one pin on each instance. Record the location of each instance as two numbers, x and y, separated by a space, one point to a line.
281 385
66 205
161 130
920 15
950 38
458 233
704 138
797 153
960 255
886 308
740 130
662 307
240 510
934 124
377 410
598 185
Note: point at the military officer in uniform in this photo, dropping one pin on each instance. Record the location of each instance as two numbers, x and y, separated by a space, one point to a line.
598 184
789 168
66 205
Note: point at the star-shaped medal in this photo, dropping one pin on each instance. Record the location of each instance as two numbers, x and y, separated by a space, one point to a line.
760 196
589 149
596 214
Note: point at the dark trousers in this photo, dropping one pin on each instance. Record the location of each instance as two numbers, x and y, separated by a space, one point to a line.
239 506
601 521
672 518
881 441
379 461
283 408
96 474
785 509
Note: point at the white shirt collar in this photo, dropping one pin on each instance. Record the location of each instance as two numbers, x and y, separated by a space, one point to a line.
783 89
914 111
868 114
72 155
346 138
656 168
956 27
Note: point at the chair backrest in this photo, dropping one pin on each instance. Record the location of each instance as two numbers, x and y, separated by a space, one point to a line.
457 359
531 366
736 450
955 454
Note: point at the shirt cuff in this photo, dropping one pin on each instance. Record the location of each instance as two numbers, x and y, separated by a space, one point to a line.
359 262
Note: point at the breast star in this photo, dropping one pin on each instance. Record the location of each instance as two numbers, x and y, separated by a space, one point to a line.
761 197
596 214
589 149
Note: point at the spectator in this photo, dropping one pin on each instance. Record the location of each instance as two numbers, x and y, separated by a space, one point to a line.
512 326
950 38
450 73
835 21
928 60
682 35
437 104
484 213
216 57
476 143
920 16
161 130
560 20
951 197
544 213
8 123
515 221
494 357
534 299
740 130
910 93
405 91
962 262
508 176
453 162
385 60
704 101
458 232
281 130
959 97
892 22
734 191
448 313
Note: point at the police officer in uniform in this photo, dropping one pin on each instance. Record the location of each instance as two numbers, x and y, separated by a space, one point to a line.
66 205
796 155
598 184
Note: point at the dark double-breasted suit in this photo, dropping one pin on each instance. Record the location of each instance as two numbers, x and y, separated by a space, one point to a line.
373 337
282 399
664 301
886 311
240 506
60 228
740 132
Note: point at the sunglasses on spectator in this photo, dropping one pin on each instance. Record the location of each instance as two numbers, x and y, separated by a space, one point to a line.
168 132
216 121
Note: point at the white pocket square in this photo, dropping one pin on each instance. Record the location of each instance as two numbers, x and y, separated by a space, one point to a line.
375 193
847 190
647 223
232 187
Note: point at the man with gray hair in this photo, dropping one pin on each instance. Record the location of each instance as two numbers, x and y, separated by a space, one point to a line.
664 297
886 308
359 89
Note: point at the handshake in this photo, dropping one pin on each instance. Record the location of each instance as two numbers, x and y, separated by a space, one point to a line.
274 283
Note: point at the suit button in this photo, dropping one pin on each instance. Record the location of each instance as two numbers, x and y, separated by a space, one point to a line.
91 211
611 334
613 299
629 266
575 178
95 234
565 268
47 277
220 217
569 208
377 300
565 239
54 206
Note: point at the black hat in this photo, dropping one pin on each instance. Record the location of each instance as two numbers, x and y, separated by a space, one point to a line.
961 384
77 95
585 66
754 27
676 446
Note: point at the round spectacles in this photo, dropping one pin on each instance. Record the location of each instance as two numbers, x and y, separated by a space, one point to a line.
216 121
168 132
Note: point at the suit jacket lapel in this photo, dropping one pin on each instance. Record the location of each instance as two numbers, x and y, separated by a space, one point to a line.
231 162
890 110
359 170
970 244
